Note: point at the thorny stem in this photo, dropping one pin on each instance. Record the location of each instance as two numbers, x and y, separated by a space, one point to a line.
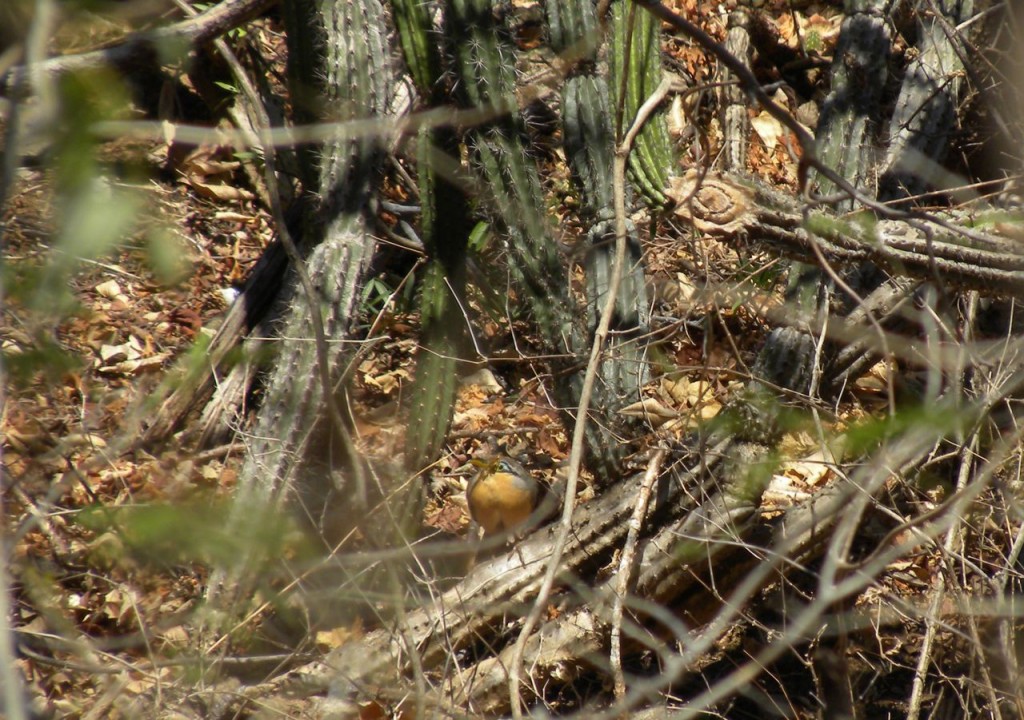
752 87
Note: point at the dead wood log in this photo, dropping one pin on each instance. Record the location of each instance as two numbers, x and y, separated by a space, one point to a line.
703 542
142 49
713 498
677 565
196 383
697 551
692 569
950 250
505 585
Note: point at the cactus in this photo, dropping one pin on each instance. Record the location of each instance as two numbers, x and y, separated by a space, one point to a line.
484 63
357 84
847 126
294 454
589 149
421 54
445 228
636 53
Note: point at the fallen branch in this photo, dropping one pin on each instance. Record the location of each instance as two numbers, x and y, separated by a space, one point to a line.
696 548
143 48
937 249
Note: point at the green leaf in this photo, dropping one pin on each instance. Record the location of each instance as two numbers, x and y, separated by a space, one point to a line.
479 237
872 433
195 531
46 356
167 257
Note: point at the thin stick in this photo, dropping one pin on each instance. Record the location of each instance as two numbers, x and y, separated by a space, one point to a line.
576 454
625 576
938 595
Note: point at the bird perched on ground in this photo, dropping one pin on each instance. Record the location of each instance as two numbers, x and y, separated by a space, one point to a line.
502 496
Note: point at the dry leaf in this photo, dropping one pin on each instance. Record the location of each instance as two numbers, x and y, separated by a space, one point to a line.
465 417
768 129
129 350
110 289
176 636
334 638
130 367
650 409
388 382
484 379
84 440
220 191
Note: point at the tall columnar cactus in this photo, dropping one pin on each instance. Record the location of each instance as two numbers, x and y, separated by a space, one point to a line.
484 63
924 117
636 54
445 227
295 454
589 137
845 130
412 21
587 130
848 126
484 66
357 84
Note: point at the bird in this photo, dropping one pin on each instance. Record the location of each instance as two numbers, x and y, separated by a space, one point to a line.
502 496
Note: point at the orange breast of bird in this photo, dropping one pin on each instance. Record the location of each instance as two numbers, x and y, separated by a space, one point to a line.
502 500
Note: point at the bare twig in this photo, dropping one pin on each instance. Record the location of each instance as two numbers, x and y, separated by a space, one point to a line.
626 565
939 595
600 336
